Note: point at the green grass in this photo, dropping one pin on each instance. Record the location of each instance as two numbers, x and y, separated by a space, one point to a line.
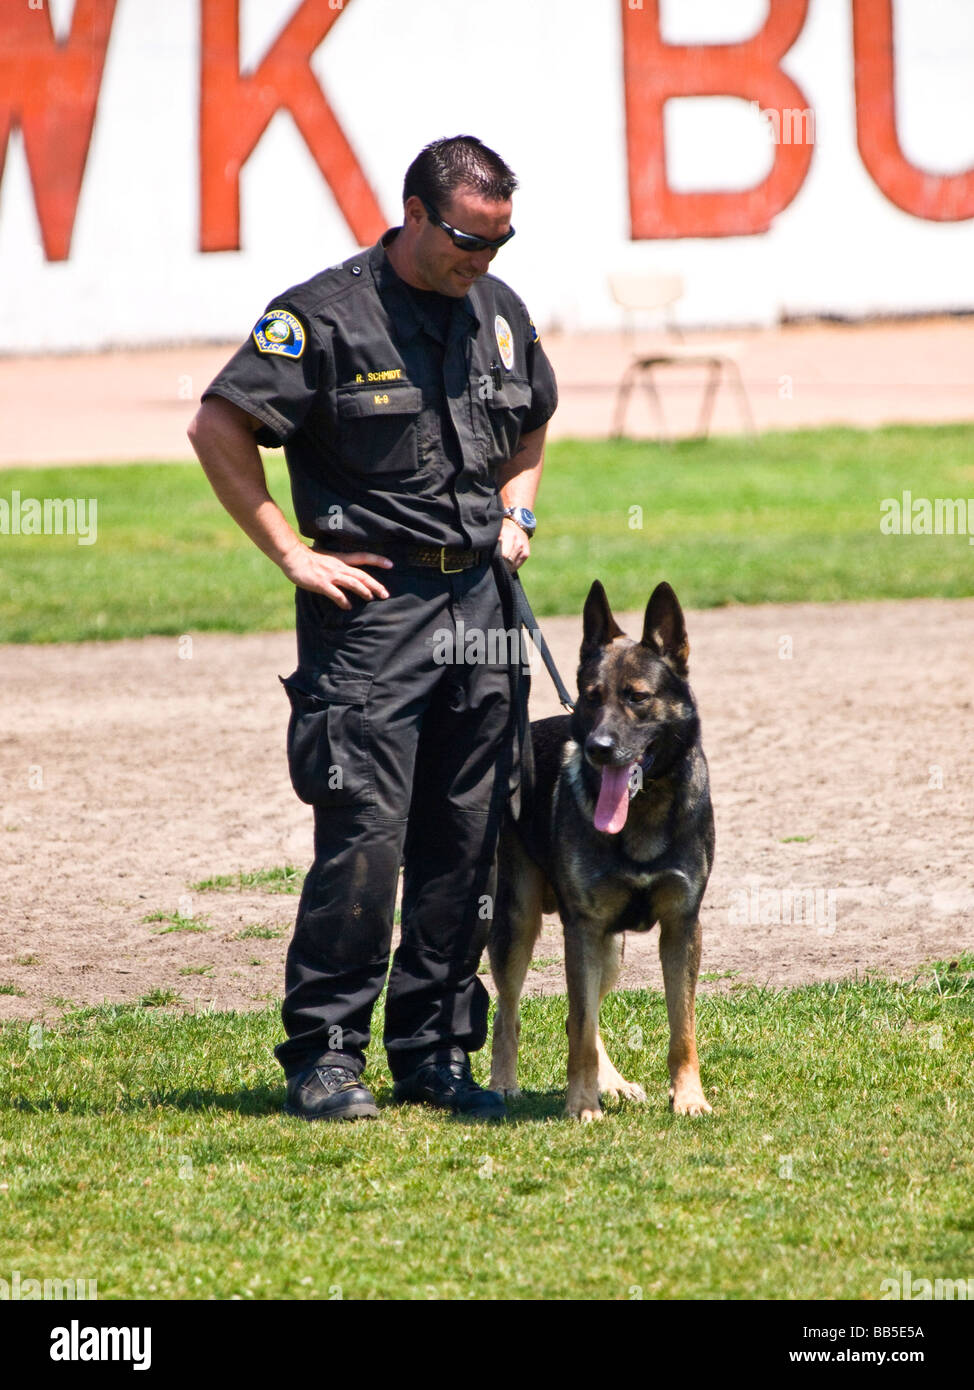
177 922
285 879
160 999
783 517
146 1149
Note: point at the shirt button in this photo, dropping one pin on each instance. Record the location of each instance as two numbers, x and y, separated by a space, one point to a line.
356 270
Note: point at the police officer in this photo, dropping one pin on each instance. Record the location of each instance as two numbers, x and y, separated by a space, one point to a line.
411 396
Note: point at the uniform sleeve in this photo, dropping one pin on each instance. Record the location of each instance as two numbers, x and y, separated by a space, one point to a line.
544 388
276 374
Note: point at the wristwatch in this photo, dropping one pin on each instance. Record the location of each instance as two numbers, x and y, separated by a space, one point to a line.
523 517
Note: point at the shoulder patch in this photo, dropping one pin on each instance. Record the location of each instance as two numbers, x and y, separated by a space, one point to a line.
280 333
505 341
535 335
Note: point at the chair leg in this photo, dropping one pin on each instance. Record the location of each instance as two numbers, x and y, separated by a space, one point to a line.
707 404
738 383
622 399
649 381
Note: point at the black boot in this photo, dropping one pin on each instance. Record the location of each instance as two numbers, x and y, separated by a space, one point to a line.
329 1090
443 1080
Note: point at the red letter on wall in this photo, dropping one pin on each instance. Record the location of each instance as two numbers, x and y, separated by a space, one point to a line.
50 90
654 72
937 197
235 111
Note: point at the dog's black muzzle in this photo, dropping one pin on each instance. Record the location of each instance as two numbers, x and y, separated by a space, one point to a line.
602 751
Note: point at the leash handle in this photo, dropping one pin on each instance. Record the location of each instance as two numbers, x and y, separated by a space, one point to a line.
530 623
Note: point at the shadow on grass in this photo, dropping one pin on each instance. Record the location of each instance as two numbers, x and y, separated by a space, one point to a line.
528 1107
536 1105
257 1100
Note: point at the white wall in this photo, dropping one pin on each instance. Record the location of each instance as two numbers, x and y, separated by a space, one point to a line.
542 83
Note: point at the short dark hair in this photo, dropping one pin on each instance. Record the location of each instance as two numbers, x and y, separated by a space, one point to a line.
462 161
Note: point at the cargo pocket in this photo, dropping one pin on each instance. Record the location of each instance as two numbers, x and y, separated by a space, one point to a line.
327 738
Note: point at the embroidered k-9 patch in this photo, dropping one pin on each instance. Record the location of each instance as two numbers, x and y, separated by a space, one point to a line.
279 332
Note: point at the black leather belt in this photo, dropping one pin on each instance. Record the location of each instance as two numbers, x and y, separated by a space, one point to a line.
446 558
443 557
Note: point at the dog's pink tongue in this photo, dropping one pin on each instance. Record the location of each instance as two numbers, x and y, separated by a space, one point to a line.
613 803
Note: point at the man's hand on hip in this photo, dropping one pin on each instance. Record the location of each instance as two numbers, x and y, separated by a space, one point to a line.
333 574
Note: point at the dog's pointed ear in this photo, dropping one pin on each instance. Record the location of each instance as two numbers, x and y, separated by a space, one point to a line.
664 629
598 625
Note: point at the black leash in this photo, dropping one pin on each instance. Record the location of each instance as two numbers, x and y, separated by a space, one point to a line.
522 611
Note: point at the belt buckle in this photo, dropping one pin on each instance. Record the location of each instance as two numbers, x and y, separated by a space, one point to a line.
443 568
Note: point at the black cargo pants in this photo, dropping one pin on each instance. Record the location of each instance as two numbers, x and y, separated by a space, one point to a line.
404 736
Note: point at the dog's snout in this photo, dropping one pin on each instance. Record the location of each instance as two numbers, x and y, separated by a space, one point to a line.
600 748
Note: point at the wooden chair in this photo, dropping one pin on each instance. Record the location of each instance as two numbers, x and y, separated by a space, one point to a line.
638 294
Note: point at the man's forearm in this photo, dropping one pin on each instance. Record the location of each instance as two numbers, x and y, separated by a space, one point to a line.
223 436
226 448
519 477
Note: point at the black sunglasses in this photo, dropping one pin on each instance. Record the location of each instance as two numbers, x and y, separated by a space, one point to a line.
464 241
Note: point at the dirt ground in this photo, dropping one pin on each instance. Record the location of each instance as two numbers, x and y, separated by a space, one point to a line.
136 404
840 740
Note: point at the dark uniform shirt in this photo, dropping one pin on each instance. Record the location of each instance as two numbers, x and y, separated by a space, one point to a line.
395 406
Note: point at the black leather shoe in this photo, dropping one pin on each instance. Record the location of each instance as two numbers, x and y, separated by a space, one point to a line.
444 1080
329 1091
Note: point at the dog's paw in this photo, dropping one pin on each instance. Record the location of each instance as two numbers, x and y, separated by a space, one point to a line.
624 1090
503 1080
584 1113
689 1100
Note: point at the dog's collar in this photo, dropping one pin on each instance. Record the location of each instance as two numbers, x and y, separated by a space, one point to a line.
644 765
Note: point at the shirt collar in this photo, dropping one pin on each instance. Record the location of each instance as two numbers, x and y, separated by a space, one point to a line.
388 282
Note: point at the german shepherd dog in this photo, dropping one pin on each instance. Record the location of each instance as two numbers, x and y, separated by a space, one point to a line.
616 831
